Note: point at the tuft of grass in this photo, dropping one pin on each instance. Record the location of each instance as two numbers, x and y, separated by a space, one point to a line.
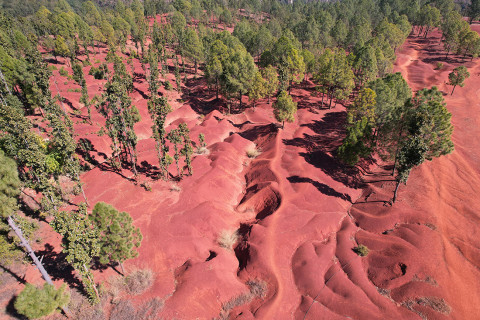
175 187
227 239
202 150
63 72
439 66
139 281
258 289
361 250
253 153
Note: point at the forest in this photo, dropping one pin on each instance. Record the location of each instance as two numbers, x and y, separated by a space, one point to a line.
91 85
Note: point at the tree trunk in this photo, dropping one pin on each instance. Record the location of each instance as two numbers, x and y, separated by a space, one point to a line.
283 124
123 269
93 283
453 89
396 191
30 252
240 98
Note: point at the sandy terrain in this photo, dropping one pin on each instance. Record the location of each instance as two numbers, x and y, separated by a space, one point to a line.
298 211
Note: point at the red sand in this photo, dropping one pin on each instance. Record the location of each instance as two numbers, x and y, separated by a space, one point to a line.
294 202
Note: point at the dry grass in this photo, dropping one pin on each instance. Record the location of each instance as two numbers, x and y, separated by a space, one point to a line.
175 187
202 150
253 153
258 289
139 281
227 239
125 310
80 308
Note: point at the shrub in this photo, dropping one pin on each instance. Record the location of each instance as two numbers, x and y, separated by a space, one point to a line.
86 63
98 73
227 239
35 302
52 67
63 72
73 90
439 66
139 281
361 250
258 288
253 153
167 85
175 187
65 83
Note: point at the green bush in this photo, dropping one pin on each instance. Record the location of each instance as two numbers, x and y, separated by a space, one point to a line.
52 67
63 72
35 302
98 73
361 250
167 85
439 66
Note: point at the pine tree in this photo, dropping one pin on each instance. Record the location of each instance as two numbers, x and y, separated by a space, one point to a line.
117 237
284 109
80 243
258 88
458 76
33 302
271 81
61 48
187 149
120 115
175 137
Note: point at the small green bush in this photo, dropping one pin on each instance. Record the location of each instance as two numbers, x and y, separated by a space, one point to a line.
74 90
98 73
167 85
35 302
63 72
361 250
439 66
52 67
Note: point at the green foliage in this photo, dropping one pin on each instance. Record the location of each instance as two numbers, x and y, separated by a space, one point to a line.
117 237
258 88
357 143
284 109
61 48
167 85
34 303
80 243
9 186
458 76
63 72
361 250
99 73
430 122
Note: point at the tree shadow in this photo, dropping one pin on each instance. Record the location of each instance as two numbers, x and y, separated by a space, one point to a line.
321 148
323 188
57 266
143 94
13 274
259 131
149 170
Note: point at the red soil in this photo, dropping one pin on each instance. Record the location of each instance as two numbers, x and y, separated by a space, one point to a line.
293 204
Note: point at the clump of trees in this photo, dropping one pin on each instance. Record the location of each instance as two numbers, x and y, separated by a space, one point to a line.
408 130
